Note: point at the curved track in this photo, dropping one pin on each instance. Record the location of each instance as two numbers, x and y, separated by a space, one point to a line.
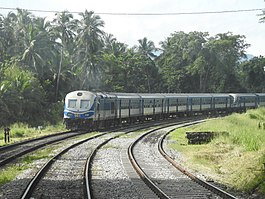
53 176
12 152
44 189
160 176
203 183
73 172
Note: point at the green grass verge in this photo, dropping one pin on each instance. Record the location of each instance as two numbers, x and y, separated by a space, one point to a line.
21 132
236 159
10 173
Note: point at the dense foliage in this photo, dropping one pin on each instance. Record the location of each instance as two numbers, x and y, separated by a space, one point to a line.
42 60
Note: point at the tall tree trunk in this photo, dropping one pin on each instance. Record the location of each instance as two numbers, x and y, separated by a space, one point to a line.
58 76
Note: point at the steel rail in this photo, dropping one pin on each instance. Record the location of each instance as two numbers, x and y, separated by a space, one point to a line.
33 183
8 146
87 189
28 150
138 169
203 183
88 166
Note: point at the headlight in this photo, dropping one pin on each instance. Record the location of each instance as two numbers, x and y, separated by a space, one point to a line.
70 114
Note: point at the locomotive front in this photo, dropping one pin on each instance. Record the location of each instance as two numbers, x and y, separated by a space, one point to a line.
79 109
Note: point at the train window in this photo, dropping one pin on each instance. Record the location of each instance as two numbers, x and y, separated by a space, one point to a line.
84 104
112 107
72 103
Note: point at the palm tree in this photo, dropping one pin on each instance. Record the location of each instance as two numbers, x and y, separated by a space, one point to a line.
89 45
38 48
7 36
113 46
147 47
63 29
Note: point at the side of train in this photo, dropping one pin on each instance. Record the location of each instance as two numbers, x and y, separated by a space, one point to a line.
85 109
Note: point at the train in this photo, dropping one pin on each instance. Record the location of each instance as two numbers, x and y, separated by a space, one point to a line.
95 110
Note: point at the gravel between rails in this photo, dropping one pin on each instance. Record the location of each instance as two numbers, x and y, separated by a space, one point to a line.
109 175
14 189
170 180
24 147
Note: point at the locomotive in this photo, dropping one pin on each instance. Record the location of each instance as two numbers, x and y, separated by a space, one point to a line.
85 109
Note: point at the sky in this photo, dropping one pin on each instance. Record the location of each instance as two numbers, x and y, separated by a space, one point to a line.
130 28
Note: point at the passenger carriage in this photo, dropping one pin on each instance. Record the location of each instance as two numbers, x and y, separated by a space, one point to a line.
244 100
261 99
199 102
88 109
176 104
152 105
222 102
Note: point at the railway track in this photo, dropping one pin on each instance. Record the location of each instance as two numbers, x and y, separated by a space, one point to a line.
80 169
62 172
66 162
11 152
111 175
203 183
160 176
51 180
93 184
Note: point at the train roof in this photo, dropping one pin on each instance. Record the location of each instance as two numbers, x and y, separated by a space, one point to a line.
152 95
199 95
160 95
243 94
260 94
220 95
119 95
163 95
78 93
174 95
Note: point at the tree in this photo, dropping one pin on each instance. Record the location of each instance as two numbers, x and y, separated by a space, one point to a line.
114 52
146 48
226 50
176 62
195 63
21 96
89 43
63 28
7 36
252 74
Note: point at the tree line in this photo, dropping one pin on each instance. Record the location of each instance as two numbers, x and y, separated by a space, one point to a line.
41 61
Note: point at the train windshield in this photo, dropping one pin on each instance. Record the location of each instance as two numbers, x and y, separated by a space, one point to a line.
84 104
72 103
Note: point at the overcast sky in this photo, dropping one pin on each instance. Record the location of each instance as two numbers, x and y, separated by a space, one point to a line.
129 29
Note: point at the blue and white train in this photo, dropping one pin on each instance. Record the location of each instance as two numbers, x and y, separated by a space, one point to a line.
85 109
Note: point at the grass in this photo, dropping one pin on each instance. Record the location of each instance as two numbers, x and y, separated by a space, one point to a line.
237 159
20 131
41 154
10 173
